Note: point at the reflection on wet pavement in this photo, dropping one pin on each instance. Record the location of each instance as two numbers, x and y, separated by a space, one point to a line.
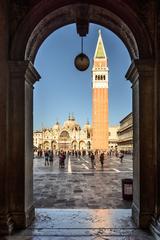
79 186
84 224
91 192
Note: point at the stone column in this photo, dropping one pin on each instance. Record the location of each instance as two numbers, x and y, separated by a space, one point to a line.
141 74
155 226
22 77
6 223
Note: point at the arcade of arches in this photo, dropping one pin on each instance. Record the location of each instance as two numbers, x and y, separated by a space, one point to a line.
69 136
24 26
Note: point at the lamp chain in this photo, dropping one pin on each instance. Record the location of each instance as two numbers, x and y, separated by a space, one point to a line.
82 44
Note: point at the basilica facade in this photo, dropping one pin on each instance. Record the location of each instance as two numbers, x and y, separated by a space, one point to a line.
69 136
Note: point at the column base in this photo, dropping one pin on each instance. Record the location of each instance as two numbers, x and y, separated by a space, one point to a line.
6 224
23 219
155 228
141 219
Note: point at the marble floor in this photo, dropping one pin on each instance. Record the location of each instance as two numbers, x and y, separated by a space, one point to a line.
84 224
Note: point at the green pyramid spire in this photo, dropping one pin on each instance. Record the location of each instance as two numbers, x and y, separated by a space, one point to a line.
100 51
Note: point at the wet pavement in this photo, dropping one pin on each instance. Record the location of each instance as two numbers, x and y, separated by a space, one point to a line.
84 224
80 186
76 203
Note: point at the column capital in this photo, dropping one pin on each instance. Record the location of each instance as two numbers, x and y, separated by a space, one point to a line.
140 68
20 69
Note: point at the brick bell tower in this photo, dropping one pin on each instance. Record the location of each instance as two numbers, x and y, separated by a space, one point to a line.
100 97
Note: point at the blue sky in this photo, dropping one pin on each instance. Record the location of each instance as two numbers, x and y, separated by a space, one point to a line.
63 89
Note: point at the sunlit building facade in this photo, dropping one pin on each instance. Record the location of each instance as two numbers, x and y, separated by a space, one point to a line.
113 137
125 134
69 136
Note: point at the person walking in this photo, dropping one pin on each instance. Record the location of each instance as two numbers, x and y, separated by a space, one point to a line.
121 156
101 159
51 157
62 158
92 160
46 156
79 153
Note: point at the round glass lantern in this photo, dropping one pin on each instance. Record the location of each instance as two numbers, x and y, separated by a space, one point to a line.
81 62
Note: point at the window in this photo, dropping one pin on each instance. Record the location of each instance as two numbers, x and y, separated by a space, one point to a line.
64 136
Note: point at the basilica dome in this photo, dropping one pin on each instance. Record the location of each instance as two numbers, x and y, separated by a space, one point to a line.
56 126
71 123
87 126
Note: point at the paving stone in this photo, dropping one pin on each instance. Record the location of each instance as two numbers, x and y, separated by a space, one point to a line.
97 185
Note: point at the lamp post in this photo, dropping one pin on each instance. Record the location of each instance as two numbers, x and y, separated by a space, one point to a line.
81 61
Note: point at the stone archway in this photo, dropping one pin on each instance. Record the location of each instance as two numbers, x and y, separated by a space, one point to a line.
54 145
75 145
46 145
82 145
37 24
64 141
30 39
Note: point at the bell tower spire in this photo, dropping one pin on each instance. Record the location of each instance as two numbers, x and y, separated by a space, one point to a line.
100 50
100 97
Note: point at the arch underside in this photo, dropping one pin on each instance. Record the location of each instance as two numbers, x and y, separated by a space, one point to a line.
66 15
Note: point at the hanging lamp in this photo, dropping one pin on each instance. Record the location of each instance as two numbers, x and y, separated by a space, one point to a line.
81 61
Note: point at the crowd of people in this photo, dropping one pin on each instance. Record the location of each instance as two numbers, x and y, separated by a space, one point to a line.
48 156
97 155
62 155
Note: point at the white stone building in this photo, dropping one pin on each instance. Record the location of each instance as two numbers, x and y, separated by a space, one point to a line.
69 136
113 137
125 134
